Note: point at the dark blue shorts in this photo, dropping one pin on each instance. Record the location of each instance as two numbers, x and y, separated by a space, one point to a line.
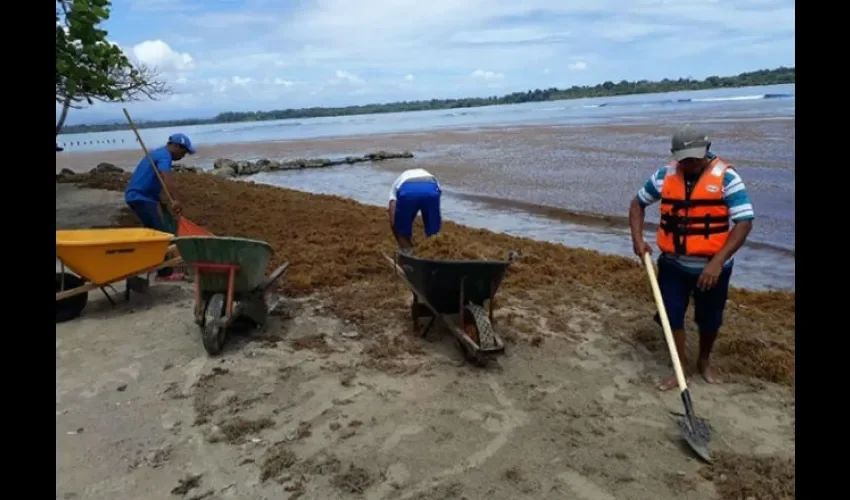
677 285
414 197
148 213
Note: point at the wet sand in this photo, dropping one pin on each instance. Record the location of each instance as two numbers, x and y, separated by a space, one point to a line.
338 398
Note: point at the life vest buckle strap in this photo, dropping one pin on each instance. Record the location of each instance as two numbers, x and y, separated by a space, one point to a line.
684 204
702 230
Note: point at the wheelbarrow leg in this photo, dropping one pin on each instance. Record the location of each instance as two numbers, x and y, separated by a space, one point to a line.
199 304
102 289
429 326
490 305
418 310
231 278
460 306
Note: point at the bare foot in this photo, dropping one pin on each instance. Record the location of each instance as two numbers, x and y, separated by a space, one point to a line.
705 370
668 383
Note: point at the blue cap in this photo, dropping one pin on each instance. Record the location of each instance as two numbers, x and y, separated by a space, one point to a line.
182 140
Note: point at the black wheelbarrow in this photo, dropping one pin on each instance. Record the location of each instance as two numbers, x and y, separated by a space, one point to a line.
462 289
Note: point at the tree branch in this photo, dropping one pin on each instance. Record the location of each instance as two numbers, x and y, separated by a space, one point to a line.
91 69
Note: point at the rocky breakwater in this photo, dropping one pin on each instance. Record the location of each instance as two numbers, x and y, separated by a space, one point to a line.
225 167
108 171
102 169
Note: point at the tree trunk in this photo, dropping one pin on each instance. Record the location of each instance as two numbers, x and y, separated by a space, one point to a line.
64 114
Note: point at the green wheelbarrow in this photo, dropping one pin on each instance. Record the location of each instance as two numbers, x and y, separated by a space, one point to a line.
230 283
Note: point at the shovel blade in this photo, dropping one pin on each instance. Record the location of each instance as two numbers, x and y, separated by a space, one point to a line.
697 437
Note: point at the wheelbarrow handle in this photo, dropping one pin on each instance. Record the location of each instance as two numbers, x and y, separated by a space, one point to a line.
274 276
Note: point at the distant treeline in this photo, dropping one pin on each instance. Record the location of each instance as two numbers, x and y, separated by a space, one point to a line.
753 78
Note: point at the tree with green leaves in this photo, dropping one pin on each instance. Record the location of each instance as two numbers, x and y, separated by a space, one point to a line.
89 67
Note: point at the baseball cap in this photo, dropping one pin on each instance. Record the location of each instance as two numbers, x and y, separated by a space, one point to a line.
689 142
182 140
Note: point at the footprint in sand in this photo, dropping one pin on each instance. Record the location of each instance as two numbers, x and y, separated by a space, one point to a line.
396 437
583 487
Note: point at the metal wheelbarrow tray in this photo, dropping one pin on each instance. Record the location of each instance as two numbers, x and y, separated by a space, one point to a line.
100 257
230 283
464 289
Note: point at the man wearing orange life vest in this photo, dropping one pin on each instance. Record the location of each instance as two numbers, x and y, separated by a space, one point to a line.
701 196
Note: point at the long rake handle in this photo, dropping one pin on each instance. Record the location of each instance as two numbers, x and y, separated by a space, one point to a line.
665 322
153 165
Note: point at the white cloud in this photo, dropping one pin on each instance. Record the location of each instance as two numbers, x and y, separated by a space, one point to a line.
223 85
342 77
487 75
516 34
161 56
242 81
578 66
339 52
626 29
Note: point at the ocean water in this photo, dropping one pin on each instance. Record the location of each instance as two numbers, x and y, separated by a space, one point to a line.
774 101
504 167
756 267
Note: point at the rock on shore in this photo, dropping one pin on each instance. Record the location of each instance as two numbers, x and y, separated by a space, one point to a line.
226 168
103 168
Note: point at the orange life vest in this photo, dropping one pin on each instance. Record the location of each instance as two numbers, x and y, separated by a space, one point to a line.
695 222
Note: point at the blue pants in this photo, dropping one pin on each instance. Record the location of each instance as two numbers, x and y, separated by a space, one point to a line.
148 213
414 197
677 285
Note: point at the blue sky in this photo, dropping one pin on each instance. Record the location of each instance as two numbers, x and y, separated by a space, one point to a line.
223 55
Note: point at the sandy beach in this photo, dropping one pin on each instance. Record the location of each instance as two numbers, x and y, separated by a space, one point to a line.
338 398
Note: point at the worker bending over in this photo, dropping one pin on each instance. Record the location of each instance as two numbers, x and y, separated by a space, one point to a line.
415 190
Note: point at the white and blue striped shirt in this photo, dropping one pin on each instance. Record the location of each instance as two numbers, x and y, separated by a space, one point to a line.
734 194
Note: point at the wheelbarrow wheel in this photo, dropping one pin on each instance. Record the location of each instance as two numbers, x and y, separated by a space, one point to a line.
483 330
213 332
70 308
476 326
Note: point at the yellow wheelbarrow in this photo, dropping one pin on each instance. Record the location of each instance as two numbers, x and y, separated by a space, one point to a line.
101 257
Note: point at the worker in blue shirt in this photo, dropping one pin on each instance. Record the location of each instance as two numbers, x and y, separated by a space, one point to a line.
143 190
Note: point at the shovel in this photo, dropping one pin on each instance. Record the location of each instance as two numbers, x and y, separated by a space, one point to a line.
695 430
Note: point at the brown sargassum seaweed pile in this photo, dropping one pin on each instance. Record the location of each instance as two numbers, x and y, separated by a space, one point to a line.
754 477
334 245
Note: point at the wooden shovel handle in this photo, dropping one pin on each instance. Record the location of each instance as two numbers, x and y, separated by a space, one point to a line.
153 164
665 322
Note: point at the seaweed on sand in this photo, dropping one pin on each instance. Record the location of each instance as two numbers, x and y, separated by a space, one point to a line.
333 246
